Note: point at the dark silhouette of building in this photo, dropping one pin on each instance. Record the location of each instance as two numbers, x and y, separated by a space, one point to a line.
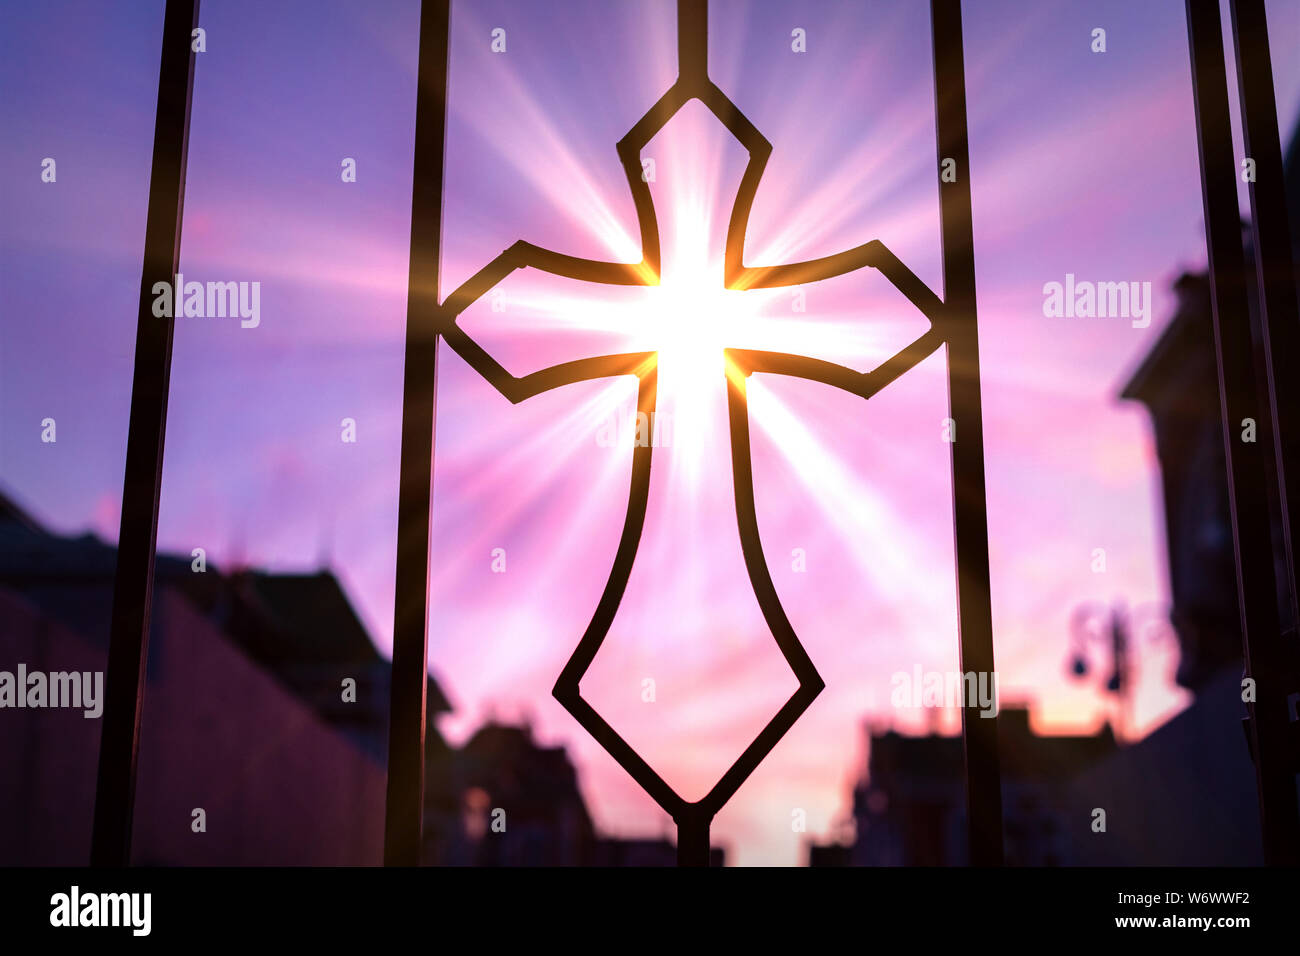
279 778
1178 383
1185 794
247 716
302 628
299 627
910 808
503 799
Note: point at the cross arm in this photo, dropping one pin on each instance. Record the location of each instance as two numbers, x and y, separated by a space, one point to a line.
522 255
862 384
865 384
874 254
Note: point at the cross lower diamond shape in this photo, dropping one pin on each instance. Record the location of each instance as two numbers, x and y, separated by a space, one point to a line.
693 818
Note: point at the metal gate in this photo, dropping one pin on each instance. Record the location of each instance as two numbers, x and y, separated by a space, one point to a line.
1254 469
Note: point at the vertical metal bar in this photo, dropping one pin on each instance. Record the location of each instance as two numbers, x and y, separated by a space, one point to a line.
970 514
1248 462
141 486
404 810
1274 266
693 41
693 70
693 840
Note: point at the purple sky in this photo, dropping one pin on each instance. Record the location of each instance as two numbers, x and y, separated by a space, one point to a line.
1082 163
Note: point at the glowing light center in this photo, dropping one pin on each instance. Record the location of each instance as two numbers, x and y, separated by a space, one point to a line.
695 319
691 318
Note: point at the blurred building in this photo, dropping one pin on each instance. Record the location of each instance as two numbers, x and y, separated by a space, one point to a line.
266 706
503 799
910 809
1178 384
302 628
1185 795
235 723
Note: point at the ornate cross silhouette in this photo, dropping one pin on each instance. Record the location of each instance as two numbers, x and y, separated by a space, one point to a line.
951 322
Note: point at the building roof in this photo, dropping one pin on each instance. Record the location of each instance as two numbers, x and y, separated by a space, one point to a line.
278 619
1024 754
1189 333
311 619
506 759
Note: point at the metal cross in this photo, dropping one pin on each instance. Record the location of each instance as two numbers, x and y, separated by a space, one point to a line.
952 322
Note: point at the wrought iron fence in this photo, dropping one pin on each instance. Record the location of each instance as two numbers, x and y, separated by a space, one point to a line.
1255 470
